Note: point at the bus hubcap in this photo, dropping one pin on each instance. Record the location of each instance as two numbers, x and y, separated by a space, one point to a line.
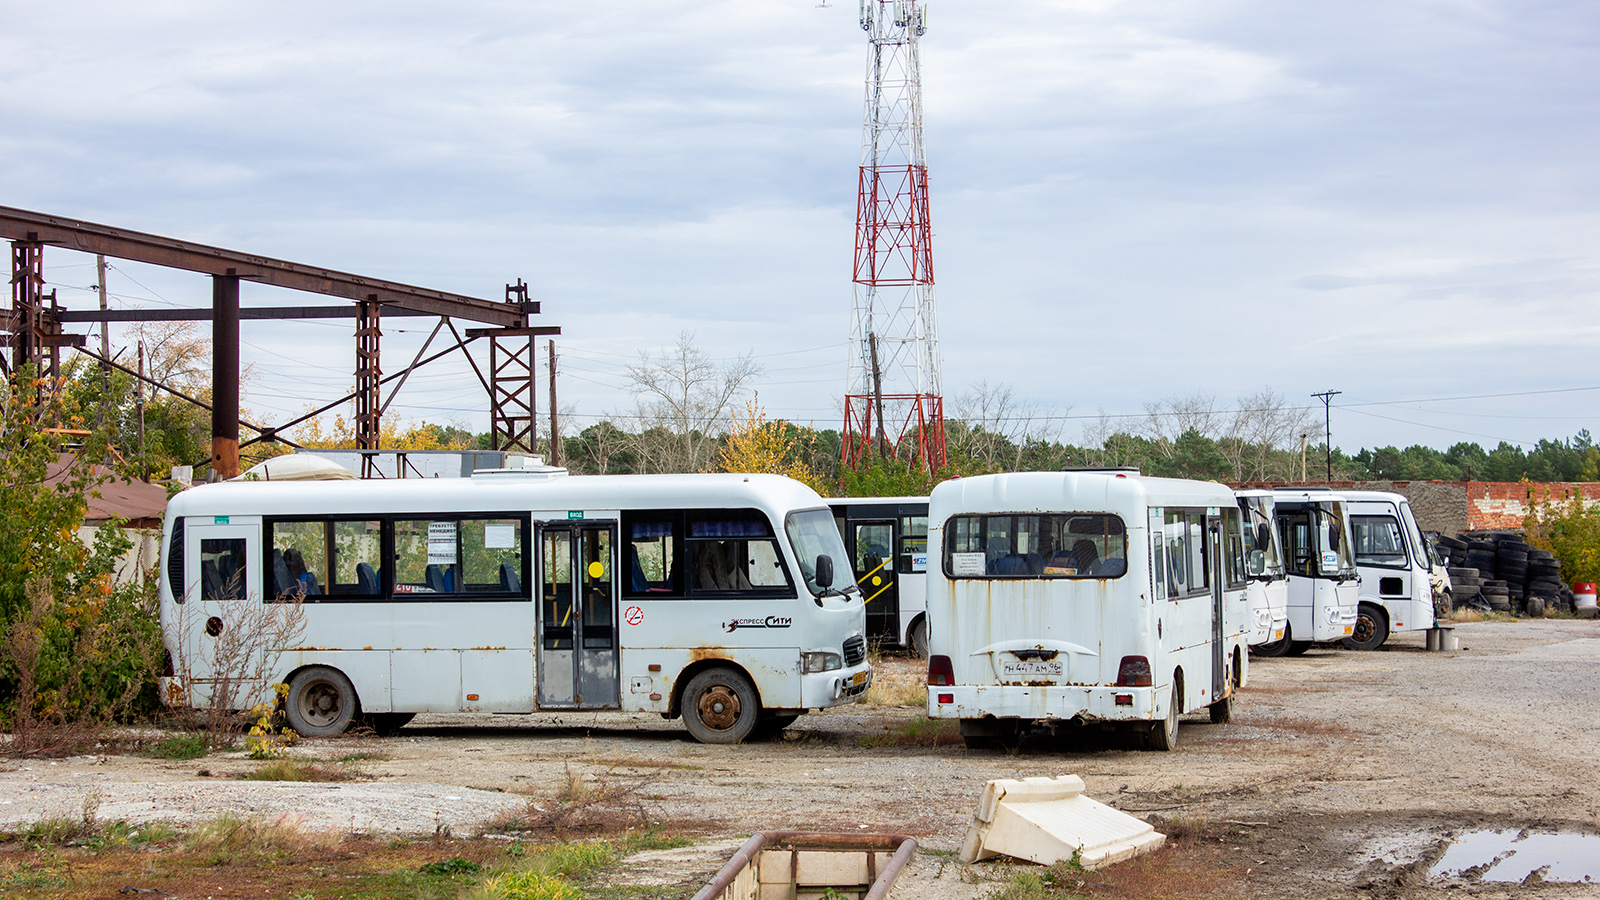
719 707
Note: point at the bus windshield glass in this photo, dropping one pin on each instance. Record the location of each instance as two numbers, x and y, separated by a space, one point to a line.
1337 557
1258 535
812 533
1052 545
1378 541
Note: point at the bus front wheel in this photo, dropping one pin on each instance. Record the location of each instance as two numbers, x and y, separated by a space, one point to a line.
1372 629
321 702
720 706
919 638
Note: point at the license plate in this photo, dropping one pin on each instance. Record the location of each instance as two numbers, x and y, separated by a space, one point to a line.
859 678
1030 668
1349 629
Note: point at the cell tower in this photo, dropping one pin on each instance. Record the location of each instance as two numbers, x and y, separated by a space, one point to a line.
892 398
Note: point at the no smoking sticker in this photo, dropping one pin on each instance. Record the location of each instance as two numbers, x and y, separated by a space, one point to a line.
633 616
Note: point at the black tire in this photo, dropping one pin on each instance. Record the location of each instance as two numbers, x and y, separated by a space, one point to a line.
1274 649
1443 605
772 725
919 638
1299 648
1536 607
1371 630
321 702
387 724
720 706
1163 735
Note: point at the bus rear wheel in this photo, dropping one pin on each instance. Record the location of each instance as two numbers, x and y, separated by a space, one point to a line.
1163 735
321 702
720 706
919 638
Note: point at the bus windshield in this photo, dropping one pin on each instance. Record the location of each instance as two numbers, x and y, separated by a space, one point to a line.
1258 536
813 533
1331 536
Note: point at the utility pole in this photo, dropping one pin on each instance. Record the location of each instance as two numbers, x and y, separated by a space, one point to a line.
138 406
1303 439
555 431
105 341
1327 414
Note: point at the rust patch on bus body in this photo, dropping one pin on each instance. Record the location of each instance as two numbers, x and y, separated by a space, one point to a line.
700 654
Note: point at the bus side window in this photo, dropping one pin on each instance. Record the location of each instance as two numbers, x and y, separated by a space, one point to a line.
735 551
913 543
652 558
224 571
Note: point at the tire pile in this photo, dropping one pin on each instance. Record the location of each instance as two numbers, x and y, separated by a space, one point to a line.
1499 572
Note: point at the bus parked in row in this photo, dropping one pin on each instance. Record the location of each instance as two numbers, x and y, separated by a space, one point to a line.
887 539
1084 597
1268 587
723 599
1395 563
1314 526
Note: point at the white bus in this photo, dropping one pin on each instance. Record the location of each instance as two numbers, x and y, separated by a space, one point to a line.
711 597
1084 597
1268 589
1396 591
1314 526
887 539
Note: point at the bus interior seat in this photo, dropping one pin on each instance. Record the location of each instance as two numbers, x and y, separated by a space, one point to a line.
1035 563
1087 556
1064 559
210 580
308 581
1010 565
228 569
366 578
438 579
640 582
282 582
508 579
1111 568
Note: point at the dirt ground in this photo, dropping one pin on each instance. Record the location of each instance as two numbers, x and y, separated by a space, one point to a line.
1342 775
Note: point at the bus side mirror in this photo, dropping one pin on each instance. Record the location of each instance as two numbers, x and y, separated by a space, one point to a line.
824 571
1258 562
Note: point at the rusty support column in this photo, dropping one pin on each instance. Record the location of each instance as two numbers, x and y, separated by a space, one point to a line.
27 303
369 376
512 404
225 375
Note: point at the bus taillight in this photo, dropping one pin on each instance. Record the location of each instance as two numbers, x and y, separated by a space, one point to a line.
1134 672
940 672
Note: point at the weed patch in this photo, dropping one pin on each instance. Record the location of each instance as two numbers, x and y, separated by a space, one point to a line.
297 770
918 733
185 745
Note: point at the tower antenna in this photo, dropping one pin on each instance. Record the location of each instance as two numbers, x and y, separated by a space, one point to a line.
893 397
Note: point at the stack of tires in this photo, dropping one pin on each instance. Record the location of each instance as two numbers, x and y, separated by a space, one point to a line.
1497 593
1511 558
1545 584
1505 574
1456 548
1466 588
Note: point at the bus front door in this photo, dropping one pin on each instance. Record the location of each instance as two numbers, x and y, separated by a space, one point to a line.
222 606
872 546
578 653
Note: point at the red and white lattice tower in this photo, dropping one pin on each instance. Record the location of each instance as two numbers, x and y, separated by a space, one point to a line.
892 397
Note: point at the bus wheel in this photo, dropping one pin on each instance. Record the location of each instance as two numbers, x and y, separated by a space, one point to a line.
321 702
720 707
1163 735
1298 648
919 638
1371 630
1279 647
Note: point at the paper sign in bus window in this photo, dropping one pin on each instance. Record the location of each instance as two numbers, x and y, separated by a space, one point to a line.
499 537
442 543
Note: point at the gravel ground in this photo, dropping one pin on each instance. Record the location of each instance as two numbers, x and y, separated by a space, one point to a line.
1343 775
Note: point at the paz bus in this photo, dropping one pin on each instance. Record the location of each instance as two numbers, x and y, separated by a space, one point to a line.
721 599
1396 592
887 539
1314 525
1100 598
1268 588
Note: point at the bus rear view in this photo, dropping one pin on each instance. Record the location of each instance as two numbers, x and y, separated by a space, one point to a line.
1098 598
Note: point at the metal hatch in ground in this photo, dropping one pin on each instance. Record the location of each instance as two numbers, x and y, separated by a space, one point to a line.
1046 820
799 865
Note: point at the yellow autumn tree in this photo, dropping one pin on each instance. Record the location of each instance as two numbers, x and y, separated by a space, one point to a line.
393 434
754 445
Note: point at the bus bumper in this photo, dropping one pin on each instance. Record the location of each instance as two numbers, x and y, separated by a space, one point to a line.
1111 704
824 689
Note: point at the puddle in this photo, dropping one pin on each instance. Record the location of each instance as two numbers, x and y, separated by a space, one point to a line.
1511 856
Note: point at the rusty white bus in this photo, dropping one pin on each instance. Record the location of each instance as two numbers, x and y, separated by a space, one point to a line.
887 539
722 599
1100 598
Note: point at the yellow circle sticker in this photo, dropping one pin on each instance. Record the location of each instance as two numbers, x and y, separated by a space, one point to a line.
596 569
877 580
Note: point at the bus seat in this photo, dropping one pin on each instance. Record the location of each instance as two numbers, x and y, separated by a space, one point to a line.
1111 568
1011 565
640 583
228 571
210 581
1085 552
509 581
282 582
438 579
1064 559
308 582
366 578
1035 563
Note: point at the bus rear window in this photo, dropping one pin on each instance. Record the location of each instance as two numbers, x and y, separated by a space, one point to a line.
1047 545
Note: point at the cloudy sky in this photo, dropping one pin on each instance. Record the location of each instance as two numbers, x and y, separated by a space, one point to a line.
1131 200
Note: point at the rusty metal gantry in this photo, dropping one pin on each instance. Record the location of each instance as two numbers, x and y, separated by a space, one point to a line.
36 327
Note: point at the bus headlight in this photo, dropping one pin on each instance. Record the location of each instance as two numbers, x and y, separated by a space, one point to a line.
820 661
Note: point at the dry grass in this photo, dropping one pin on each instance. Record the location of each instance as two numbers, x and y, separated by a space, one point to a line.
230 837
1473 615
918 733
896 692
605 803
301 770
